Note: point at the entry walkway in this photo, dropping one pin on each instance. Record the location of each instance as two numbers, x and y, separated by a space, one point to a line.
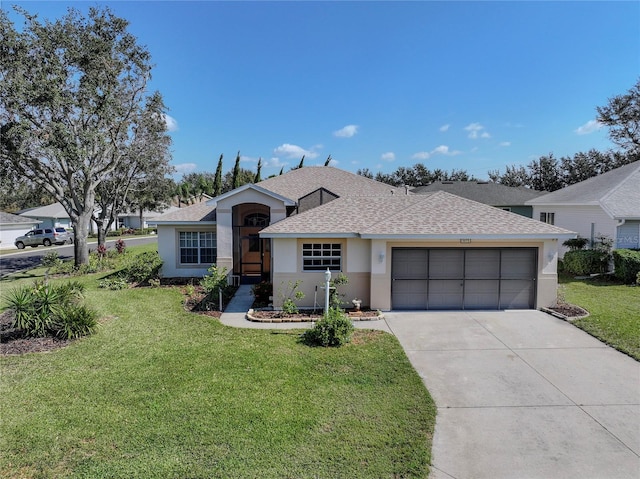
521 394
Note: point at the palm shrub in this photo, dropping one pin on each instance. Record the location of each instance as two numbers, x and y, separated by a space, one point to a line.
48 310
333 329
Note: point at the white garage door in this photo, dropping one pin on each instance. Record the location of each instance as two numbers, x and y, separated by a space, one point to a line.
469 278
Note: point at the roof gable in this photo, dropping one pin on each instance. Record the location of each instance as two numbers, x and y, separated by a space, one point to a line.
251 186
616 191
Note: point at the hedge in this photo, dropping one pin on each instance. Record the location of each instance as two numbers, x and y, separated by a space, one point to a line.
627 264
583 262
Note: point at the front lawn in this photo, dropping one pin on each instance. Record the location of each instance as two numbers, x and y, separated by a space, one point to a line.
614 311
160 392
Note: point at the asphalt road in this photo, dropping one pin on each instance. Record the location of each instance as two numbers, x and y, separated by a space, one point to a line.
31 257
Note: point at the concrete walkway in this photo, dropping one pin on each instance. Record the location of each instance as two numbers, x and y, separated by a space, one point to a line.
235 315
522 394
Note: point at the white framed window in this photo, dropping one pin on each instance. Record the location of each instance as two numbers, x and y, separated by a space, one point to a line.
197 247
549 218
320 256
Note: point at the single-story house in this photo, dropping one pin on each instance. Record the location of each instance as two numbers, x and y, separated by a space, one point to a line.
12 226
399 250
605 205
131 219
508 198
49 216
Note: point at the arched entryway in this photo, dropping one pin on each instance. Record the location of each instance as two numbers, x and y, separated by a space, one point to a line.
251 254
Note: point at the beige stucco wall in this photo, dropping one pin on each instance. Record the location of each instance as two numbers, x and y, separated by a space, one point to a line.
224 217
367 264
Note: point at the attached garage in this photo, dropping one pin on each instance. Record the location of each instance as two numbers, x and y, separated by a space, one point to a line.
463 278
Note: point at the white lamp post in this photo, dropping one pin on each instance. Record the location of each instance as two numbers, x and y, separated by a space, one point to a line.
327 279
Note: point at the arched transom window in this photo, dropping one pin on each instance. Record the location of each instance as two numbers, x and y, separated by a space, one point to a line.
256 219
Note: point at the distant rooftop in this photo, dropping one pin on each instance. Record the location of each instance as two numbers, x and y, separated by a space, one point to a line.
489 193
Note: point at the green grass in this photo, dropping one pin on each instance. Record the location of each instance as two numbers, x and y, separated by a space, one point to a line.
614 311
159 392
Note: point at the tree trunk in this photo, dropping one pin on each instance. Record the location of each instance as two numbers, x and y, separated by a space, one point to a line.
141 218
102 233
80 245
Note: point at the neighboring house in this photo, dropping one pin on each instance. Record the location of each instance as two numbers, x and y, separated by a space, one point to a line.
49 216
605 205
399 250
12 226
131 219
507 198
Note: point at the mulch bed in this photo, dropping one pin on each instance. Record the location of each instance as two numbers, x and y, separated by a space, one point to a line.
306 315
13 342
569 310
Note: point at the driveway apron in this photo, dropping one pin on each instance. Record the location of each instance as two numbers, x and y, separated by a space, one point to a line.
521 394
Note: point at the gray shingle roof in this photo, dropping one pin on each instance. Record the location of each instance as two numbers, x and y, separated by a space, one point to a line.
435 214
54 210
193 213
297 183
489 193
9 219
617 191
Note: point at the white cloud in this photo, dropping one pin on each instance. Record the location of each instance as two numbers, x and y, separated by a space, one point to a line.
172 124
505 143
421 155
438 150
444 150
388 156
444 127
346 132
294 151
274 163
476 130
588 127
185 167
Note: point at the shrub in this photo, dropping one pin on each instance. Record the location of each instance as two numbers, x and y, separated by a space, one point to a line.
290 295
64 267
576 244
638 278
114 284
333 329
143 267
627 265
101 251
335 297
120 246
582 262
51 259
44 309
75 321
213 282
261 292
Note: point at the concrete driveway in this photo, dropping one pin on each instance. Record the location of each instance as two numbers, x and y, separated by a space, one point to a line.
521 394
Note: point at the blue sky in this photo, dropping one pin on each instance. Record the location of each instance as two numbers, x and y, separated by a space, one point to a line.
378 85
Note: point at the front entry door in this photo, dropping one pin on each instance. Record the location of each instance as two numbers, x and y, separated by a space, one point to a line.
254 259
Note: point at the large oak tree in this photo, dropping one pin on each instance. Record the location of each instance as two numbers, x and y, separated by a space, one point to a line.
73 93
